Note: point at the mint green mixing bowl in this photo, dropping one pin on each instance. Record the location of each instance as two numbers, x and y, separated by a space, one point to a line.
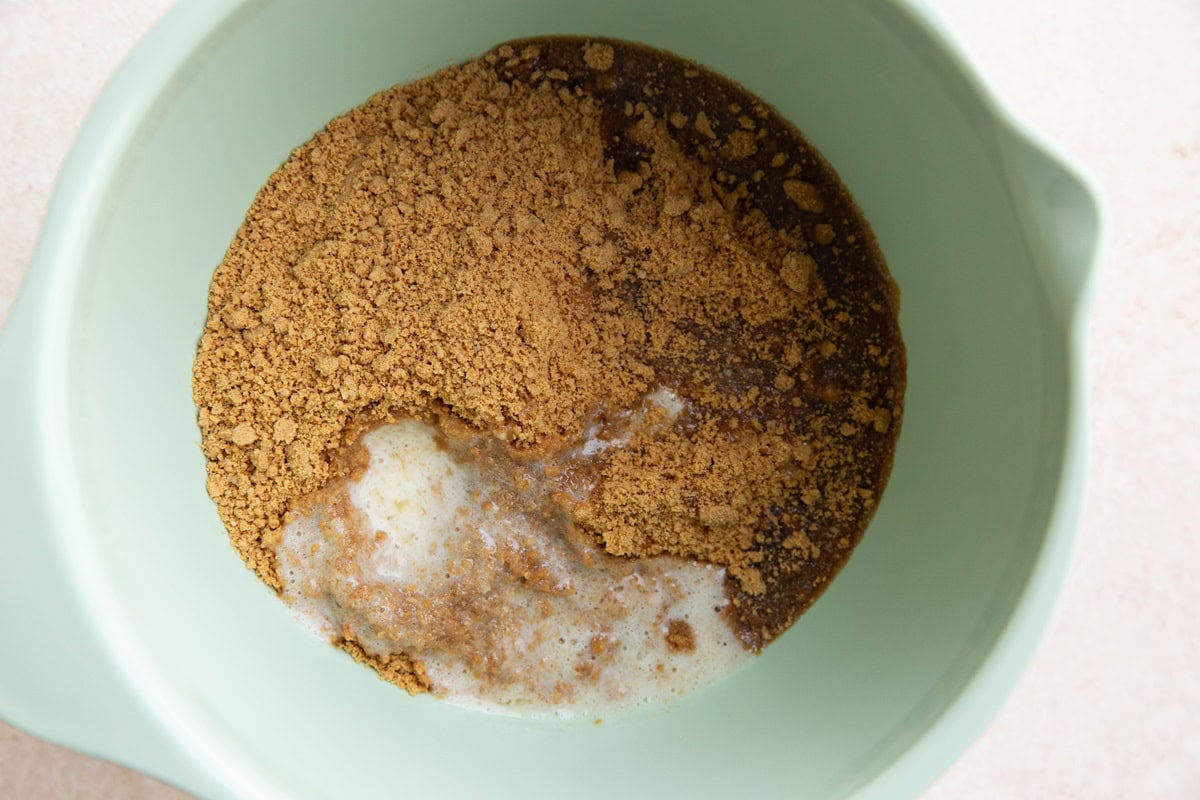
134 632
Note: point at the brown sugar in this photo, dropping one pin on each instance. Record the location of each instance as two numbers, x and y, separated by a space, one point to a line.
534 241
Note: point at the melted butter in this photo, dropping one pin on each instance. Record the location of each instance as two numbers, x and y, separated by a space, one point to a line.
436 553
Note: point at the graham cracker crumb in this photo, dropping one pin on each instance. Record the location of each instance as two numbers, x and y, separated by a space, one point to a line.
823 233
243 434
680 636
599 56
702 124
471 247
740 144
285 430
806 196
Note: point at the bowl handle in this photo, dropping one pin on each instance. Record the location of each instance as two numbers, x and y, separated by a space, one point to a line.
1062 213
57 678
1063 219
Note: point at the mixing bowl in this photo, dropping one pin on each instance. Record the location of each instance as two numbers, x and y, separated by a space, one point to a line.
133 630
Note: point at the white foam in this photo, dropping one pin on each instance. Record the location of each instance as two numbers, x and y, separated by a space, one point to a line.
412 491
434 571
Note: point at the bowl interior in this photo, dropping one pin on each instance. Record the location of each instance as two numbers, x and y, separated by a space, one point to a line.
830 705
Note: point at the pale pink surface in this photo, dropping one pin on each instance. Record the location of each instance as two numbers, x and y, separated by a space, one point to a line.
1110 707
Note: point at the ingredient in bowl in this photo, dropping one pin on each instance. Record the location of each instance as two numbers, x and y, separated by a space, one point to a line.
436 551
571 322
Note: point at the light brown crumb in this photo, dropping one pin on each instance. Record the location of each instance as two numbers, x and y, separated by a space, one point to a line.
285 430
799 272
243 434
823 233
806 196
599 56
741 144
703 126
680 636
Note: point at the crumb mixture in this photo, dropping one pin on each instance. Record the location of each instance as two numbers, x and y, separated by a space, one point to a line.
525 247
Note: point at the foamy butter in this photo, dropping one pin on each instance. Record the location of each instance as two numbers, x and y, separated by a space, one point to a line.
441 556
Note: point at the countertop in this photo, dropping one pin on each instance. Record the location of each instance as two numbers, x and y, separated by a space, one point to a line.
1110 706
